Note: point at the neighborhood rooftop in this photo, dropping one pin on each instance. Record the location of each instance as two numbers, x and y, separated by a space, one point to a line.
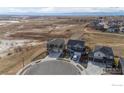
76 42
104 49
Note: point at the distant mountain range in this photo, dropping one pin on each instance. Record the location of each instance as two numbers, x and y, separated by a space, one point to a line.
68 14
63 11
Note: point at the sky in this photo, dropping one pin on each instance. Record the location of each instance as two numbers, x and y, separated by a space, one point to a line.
61 3
41 10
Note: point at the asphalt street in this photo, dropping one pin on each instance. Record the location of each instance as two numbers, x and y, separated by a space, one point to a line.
55 67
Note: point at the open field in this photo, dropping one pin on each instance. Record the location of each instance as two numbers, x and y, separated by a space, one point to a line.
116 41
44 28
11 64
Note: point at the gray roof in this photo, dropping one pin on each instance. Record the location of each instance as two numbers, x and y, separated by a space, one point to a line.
56 41
76 43
104 49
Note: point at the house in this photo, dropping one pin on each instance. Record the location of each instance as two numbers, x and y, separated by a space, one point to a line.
113 29
104 55
76 48
55 46
113 23
121 29
100 26
94 23
98 23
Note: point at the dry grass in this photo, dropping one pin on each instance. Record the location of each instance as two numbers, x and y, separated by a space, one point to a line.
12 64
116 41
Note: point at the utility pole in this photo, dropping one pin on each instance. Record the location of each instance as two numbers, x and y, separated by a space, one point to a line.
23 63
